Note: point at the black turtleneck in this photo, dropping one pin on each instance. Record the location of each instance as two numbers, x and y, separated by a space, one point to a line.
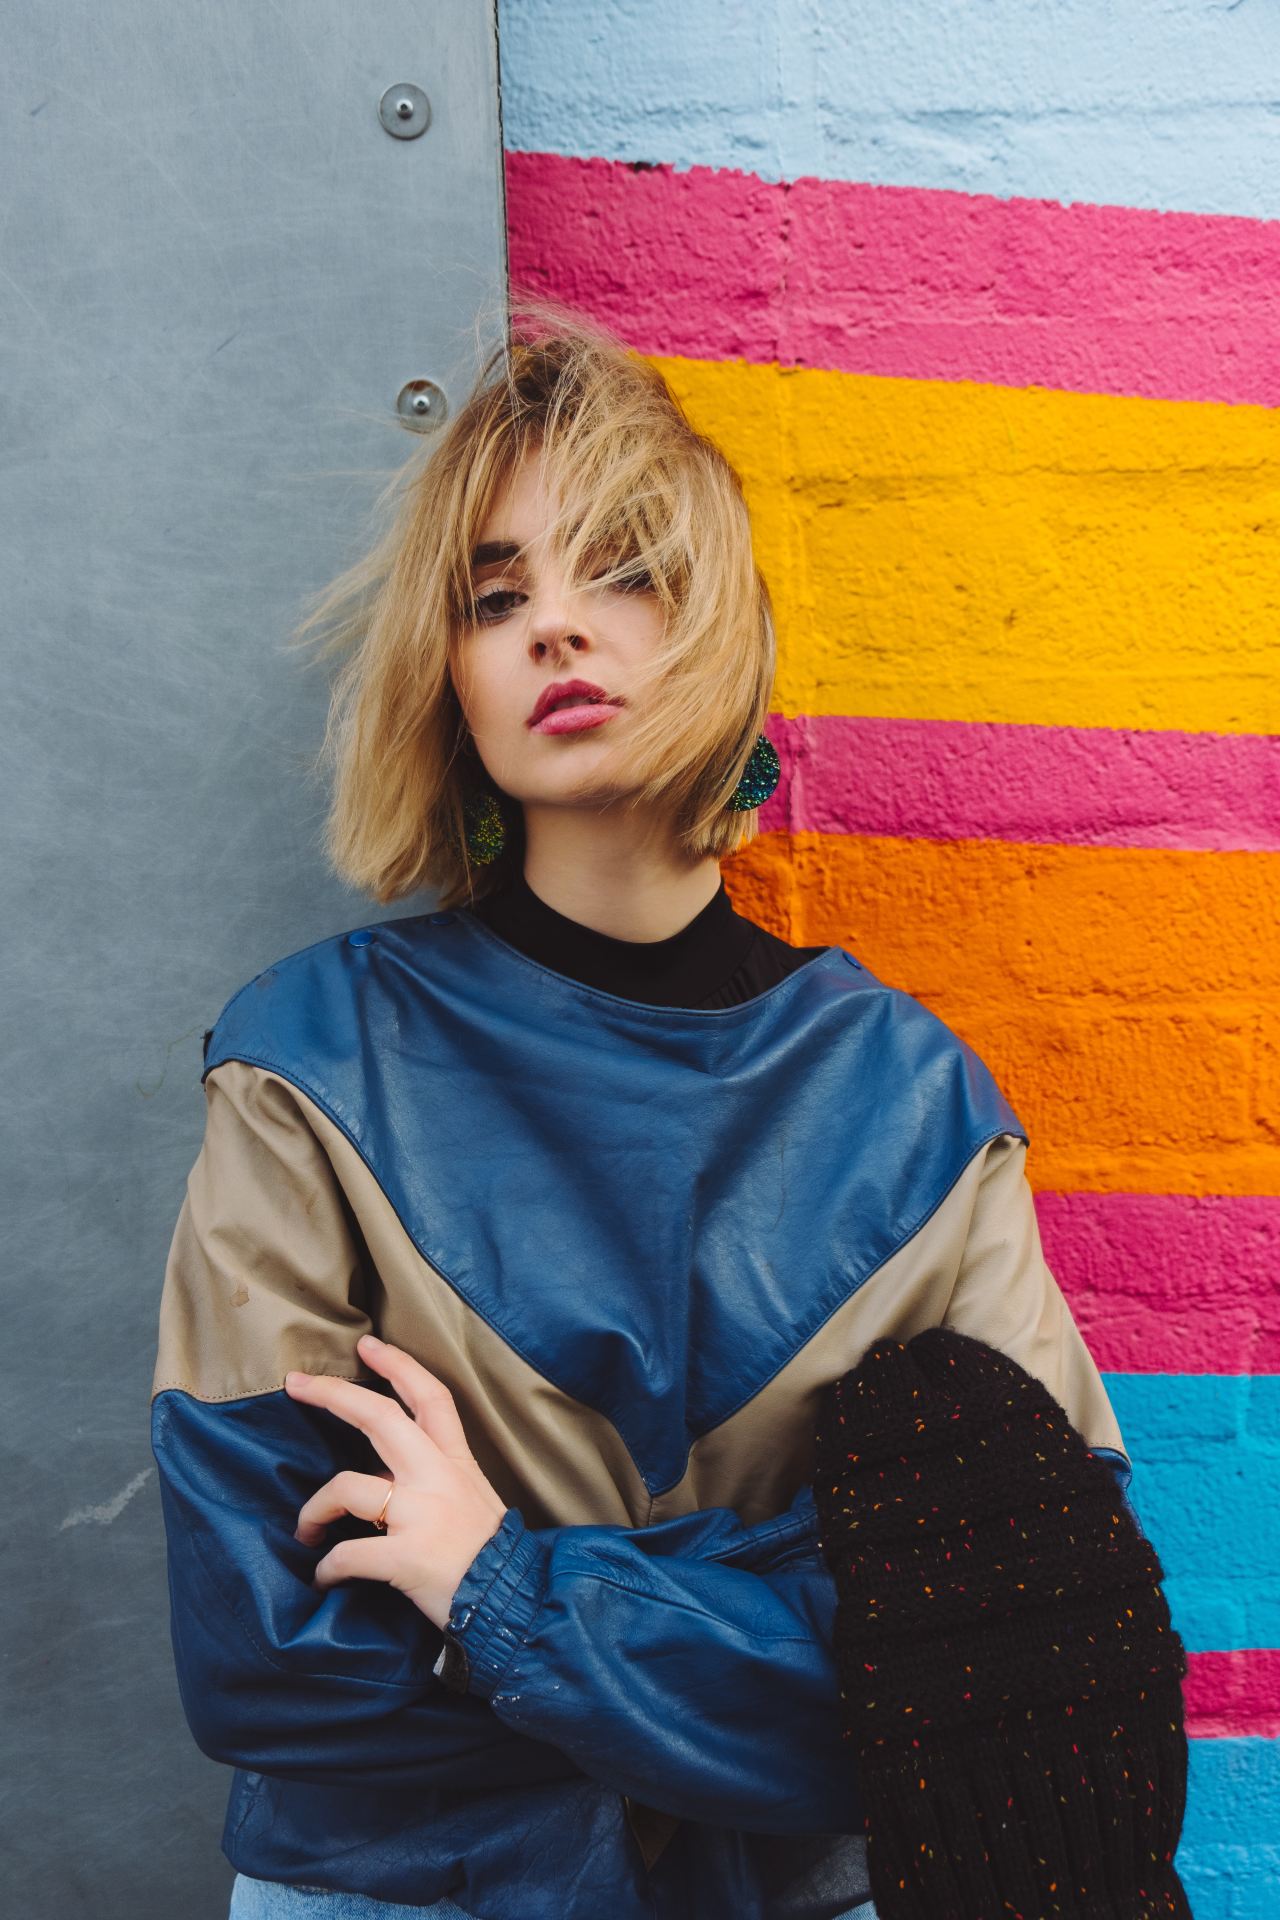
719 959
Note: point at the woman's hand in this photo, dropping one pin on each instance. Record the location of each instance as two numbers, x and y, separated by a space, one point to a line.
442 1510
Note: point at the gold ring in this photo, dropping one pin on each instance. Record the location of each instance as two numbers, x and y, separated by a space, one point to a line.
381 1522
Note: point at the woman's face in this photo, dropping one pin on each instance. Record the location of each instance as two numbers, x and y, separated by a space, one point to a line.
529 634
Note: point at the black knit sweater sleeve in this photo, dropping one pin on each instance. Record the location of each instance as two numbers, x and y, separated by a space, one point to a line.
1008 1667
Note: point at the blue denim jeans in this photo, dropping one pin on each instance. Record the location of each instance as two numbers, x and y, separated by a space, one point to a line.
273 1900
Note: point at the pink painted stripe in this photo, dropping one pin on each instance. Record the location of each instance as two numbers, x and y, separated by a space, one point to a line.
910 282
1075 786
1169 1282
1236 1693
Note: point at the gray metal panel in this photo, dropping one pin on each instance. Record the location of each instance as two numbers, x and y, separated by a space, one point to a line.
217 270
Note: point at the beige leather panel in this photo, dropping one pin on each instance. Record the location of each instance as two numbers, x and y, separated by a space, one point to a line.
977 1264
264 1270
286 1250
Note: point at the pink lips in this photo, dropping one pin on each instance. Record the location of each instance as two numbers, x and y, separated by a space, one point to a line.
577 703
575 719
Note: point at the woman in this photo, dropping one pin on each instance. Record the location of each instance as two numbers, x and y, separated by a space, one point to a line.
622 1181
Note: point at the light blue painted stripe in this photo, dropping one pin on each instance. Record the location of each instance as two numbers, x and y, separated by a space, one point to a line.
1206 1487
1229 1859
1142 105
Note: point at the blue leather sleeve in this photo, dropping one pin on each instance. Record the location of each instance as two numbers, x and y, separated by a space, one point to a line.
688 1664
331 1685
1123 1471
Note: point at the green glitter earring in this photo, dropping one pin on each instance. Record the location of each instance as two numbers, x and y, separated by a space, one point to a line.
759 777
486 830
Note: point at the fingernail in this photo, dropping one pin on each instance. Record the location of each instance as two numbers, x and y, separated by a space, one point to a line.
370 1340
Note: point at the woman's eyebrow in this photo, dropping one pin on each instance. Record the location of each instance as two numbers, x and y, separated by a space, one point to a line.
491 551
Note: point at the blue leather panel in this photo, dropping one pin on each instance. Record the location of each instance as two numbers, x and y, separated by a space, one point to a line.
356 1769
1123 1470
327 1685
656 1207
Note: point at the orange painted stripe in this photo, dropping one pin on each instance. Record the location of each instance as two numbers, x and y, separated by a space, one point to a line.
1126 999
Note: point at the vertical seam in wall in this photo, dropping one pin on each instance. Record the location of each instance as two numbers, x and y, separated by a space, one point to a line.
785 442
783 439
496 22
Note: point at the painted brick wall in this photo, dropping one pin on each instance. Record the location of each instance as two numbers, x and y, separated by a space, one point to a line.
983 300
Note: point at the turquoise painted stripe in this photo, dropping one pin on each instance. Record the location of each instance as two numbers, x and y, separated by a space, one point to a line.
1206 1486
1229 1859
1140 105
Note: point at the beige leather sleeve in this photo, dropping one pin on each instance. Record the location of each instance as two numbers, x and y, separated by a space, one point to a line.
1006 1295
265 1271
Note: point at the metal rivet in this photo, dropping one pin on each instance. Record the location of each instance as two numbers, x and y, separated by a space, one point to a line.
421 405
360 938
404 111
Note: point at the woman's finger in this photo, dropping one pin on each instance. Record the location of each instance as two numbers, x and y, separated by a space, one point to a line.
394 1434
354 1560
359 1494
422 1391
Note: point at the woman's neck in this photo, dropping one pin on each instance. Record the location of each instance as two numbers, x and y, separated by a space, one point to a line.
619 872
678 969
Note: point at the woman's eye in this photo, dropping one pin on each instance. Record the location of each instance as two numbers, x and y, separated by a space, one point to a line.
494 605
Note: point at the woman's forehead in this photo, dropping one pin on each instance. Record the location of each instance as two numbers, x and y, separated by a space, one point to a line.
521 511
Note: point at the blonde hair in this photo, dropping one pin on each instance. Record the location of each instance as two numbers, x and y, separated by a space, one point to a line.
640 492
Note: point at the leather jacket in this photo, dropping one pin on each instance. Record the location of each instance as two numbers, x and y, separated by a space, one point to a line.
638 1243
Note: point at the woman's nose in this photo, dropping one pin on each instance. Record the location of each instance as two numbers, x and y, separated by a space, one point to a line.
554 623
557 640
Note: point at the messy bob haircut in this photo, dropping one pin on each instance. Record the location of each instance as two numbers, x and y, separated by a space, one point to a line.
644 503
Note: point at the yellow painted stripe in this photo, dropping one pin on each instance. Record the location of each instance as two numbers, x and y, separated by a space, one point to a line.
1127 1000
946 550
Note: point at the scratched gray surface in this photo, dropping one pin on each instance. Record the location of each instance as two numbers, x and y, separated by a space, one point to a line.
216 272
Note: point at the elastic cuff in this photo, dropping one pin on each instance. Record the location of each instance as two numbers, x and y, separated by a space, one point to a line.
496 1600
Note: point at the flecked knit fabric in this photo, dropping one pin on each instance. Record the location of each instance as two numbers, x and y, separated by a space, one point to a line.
1008 1667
